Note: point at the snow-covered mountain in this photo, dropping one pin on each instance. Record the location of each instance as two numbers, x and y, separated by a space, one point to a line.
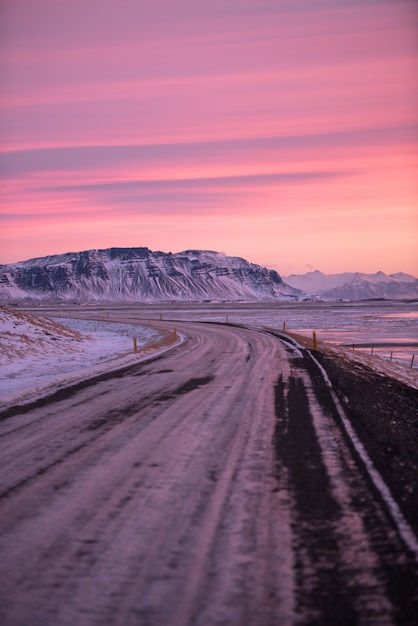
140 275
355 286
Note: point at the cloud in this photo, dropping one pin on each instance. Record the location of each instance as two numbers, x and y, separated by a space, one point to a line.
82 158
196 184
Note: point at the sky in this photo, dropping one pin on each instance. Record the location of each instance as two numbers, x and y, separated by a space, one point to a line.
281 131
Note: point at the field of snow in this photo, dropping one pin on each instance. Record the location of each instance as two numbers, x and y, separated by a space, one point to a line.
39 354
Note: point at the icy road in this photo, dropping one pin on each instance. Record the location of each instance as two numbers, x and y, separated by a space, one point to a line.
214 485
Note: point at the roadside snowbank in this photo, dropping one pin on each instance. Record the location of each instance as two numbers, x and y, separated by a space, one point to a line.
40 354
390 369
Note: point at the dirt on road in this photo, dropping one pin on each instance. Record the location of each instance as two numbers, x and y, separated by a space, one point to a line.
384 414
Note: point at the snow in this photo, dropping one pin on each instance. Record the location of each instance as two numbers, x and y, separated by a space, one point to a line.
40 355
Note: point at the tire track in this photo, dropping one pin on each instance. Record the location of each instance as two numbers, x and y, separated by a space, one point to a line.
213 485
350 559
109 524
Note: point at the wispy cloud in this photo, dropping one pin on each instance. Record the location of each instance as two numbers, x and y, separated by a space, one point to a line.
286 148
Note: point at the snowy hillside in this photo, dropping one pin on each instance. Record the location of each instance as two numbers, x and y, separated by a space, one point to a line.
37 353
355 285
140 275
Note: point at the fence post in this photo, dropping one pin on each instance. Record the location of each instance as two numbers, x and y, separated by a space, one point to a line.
284 327
135 346
412 361
314 340
391 355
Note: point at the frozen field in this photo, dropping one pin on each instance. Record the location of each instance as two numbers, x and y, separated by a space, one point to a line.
388 327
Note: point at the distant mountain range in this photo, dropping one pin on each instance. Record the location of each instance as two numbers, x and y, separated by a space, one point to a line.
355 286
141 275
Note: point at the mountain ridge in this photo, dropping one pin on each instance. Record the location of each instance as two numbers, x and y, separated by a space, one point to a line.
355 285
138 274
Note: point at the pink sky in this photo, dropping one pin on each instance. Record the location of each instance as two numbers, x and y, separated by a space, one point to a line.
284 132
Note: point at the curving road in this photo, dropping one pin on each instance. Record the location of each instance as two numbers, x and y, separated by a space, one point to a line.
214 485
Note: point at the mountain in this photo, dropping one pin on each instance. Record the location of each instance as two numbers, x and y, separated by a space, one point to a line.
140 275
355 285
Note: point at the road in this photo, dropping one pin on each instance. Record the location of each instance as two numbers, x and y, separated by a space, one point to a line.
212 486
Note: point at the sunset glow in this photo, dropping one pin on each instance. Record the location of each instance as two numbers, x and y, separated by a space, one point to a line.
284 132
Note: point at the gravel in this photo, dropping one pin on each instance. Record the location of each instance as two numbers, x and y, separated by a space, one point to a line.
384 414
